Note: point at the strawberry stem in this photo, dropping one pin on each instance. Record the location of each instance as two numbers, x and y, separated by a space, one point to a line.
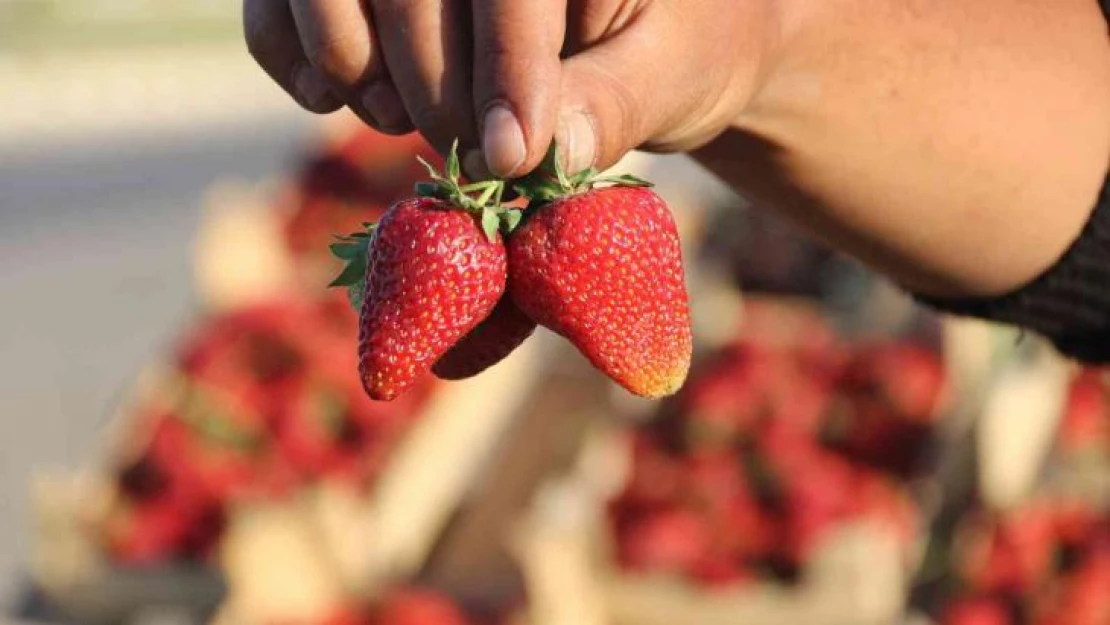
489 192
447 187
550 180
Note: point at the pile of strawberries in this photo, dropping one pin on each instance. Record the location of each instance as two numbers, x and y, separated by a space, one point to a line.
264 400
769 447
1046 562
260 402
1084 434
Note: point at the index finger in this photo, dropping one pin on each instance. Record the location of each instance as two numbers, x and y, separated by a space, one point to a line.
517 80
272 40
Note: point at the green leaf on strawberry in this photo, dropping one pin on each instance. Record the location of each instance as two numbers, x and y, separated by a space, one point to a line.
356 294
491 223
510 219
346 251
354 272
550 181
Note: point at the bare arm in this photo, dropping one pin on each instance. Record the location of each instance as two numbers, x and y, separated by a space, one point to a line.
958 146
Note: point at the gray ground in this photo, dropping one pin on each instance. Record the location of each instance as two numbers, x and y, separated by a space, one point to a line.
94 276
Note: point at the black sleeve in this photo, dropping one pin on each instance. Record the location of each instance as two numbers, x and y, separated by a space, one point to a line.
1069 304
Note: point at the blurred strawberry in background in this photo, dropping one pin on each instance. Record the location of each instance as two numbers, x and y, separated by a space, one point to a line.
1085 427
891 396
1047 561
776 440
977 611
414 606
258 403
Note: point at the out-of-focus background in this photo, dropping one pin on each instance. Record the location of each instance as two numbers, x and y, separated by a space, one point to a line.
184 439
117 117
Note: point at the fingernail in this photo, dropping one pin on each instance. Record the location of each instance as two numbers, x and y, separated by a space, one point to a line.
579 141
381 101
503 141
474 164
312 89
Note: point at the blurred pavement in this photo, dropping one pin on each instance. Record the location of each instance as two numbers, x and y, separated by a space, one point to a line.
104 161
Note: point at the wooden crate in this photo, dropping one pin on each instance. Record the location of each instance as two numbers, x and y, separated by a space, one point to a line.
858 577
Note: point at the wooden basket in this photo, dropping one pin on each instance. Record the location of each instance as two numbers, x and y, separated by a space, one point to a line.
856 578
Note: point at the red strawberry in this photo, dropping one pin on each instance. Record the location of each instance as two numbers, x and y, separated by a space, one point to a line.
413 606
1011 554
432 277
724 398
1086 599
347 615
603 268
976 612
305 432
748 529
1086 421
1075 521
146 533
673 540
713 480
907 377
655 478
203 531
716 570
432 271
487 344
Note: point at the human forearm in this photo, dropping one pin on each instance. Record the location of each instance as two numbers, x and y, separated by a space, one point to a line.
958 146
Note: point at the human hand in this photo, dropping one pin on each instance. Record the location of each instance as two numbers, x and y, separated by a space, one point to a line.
506 77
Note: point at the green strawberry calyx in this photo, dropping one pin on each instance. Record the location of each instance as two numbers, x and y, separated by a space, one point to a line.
550 181
354 250
481 199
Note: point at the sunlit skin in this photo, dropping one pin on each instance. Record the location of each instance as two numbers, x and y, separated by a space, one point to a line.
957 146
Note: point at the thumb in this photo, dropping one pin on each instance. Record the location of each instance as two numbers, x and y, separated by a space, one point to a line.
657 83
516 79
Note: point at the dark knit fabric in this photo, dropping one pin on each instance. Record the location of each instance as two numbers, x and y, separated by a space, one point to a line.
1069 304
